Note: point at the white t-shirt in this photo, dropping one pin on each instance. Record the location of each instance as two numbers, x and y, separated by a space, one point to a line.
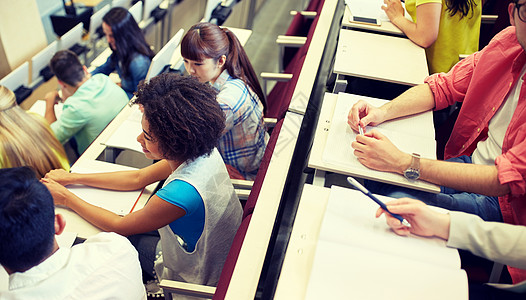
488 149
105 266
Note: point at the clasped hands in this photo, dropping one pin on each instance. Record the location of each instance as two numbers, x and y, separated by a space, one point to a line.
373 149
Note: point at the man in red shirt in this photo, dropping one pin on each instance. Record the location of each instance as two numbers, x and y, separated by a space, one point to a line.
486 166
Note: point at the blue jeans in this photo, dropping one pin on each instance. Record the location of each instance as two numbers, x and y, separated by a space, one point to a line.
148 245
485 207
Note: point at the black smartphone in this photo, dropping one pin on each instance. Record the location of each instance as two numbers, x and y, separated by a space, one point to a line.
363 20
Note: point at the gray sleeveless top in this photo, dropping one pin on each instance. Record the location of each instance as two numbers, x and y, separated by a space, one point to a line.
208 175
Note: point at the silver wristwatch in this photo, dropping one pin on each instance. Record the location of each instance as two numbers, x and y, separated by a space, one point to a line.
413 172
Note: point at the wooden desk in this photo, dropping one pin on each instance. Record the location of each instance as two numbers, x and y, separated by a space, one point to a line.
297 264
380 57
318 147
385 27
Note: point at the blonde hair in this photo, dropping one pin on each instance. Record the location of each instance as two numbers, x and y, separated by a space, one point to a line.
25 140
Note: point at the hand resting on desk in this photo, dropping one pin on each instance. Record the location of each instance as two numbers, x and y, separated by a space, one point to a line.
60 176
59 192
375 151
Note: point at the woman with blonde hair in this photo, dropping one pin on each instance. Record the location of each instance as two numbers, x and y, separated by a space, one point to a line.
26 139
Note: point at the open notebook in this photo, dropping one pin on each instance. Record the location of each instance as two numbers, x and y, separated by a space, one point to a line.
359 257
119 202
413 134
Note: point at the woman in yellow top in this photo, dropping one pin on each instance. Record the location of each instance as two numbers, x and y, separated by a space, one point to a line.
26 139
446 28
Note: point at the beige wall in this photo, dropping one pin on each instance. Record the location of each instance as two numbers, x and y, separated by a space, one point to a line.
21 33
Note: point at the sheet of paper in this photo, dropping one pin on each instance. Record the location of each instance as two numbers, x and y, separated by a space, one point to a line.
350 219
39 107
371 9
344 272
410 134
119 202
359 257
125 137
368 9
66 239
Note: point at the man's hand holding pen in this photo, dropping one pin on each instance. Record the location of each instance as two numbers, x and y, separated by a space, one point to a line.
373 149
363 114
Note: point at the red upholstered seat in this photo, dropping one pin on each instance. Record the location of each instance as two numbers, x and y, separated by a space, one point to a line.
231 259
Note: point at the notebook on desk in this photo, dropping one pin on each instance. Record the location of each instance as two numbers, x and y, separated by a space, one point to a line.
359 257
412 134
125 137
119 202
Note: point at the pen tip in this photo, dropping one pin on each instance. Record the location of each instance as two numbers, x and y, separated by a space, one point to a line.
405 223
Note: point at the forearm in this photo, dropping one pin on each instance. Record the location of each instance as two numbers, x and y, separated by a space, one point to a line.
417 35
425 31
480 179
49 115
123 180
499 242
413 101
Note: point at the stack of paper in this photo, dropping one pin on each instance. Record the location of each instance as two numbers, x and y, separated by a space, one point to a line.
359 257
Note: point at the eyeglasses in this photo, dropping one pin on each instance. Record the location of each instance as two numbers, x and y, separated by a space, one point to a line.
521 9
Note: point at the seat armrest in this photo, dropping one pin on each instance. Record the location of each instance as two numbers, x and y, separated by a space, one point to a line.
188 289
488 19
266 76
291 41
306 14
270 122
242 194
275 76
242 184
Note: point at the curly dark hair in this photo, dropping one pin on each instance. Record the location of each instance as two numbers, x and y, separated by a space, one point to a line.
184 116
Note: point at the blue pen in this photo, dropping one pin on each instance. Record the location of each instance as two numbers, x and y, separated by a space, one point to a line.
362 189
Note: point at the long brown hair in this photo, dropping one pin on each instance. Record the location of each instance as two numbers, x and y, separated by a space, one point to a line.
464 7
24 139
207 40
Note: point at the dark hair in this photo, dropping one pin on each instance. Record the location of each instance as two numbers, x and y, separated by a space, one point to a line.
184 115
464 7
27 219
129 39
67 67
207 40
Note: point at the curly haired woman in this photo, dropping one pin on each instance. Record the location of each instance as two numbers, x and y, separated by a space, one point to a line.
196 212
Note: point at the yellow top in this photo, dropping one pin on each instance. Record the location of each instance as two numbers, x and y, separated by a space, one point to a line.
455 35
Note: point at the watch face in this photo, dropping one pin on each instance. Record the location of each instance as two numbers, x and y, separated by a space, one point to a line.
411 174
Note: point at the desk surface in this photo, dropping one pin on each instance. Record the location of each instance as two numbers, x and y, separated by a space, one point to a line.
299 257
385 27
380 57
318 147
